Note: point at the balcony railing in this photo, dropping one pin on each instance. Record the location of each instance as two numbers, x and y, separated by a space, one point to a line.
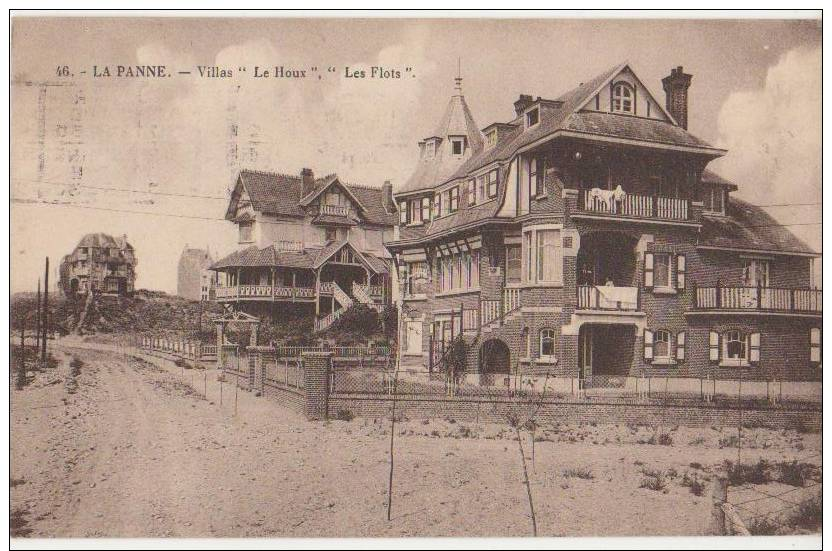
634 206
263 292
607 297
335 210
771 299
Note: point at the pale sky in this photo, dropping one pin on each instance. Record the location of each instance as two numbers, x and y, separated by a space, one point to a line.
756 90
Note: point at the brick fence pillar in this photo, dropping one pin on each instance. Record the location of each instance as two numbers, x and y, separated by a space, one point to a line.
316 366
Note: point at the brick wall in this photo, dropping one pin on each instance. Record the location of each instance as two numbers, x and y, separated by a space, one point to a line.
496 411
316 366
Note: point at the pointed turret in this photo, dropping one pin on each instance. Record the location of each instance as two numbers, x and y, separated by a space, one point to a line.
456 138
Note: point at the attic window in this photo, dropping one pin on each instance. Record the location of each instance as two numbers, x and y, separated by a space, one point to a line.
492 138
457 146
715 199
532 117
622 98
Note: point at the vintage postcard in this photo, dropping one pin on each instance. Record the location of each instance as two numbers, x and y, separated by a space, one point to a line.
390 275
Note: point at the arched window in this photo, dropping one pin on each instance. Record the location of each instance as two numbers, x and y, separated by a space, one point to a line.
661 346
622 98
547 343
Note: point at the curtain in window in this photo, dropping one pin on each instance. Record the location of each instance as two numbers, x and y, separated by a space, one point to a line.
548 256
661 270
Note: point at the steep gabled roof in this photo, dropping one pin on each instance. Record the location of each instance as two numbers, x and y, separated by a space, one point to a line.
281 194
563 115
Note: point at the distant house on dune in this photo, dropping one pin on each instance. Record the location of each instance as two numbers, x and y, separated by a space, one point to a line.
100 263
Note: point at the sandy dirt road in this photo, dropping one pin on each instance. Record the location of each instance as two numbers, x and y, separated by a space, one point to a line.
138 451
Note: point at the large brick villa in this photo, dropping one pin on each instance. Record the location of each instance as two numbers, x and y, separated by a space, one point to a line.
586 237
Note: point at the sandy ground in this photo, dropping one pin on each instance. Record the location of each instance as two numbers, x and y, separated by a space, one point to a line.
138 451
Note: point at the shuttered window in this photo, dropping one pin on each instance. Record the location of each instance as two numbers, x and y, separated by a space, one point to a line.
680 346
680 271
814 345
713 346
648 344
648 270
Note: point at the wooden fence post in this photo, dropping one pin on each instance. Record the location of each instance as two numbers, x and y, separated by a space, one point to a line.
718 497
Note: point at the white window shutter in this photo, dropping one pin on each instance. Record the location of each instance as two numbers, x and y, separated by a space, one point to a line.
814 345
713 346
754 351
680 346
648 270
680 271
648 344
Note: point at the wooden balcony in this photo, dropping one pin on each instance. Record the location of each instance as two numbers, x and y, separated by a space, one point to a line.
608 298
264 293
633 206
334 210
761 299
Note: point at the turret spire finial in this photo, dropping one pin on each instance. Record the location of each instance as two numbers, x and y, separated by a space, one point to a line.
458 79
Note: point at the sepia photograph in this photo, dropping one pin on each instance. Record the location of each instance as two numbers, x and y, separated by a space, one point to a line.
409 274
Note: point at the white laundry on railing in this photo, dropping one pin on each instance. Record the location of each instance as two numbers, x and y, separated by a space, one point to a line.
610 198
612 297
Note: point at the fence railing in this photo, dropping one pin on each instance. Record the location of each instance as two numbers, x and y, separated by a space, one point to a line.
759 298
594 297
639 206
263 291
178 347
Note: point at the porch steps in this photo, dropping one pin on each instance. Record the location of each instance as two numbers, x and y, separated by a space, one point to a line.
494 324
323 323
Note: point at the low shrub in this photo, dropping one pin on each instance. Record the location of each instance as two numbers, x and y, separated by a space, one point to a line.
344 414
653 480
762 527
796 474
584 473
809 515
696 484
75 365
756 473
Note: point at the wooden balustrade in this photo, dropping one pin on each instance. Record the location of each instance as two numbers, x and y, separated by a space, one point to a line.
775 299
638 206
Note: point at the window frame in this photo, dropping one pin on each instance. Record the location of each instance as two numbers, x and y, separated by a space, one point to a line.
528 116
472 192
425 207
534 262
815 348
668 284
751 271
453 199
249 226
517 262
662 336
620 98
461 143
542 338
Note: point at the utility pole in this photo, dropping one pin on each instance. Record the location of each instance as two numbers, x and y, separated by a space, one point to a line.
37 321
45 319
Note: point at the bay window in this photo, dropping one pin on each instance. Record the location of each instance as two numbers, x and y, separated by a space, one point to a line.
543 255
514 261
459 272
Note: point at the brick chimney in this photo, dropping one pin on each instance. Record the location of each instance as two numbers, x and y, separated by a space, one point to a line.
307 179
676 86
522 102
387 196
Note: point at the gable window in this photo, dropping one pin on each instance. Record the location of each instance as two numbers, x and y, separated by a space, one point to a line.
472 192
246 232
331 234
491 138
755 272
425 209
547 343
814 345
457 146
532 117
622 98
492 184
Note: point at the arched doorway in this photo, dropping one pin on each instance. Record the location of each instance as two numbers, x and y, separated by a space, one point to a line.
495 362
